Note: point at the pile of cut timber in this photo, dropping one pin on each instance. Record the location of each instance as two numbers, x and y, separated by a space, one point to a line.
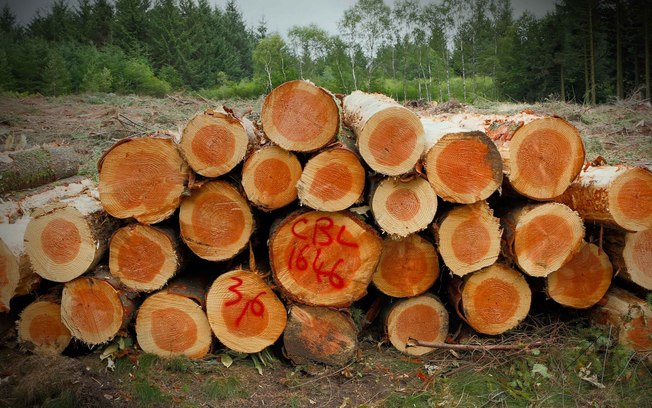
249 232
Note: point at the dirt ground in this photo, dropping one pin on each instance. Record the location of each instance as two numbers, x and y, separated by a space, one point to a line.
572 364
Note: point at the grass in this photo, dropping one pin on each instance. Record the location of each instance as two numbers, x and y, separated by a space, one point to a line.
219 388
146 394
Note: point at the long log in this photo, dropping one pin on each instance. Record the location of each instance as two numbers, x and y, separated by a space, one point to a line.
462 166
215 141
41 330
143 178
319 335
469 238
332 180
582 281
66 239
631 255
542 237
216 221
300 117
615 195
243 311
144 257
390 138
323 259
423 318
401 208
407 267
36 166
270 176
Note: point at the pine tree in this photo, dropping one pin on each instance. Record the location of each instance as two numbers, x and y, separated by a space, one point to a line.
102 21
131 26
56 78
240 38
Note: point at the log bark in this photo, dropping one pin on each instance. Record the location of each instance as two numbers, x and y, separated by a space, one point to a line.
615 195
494 300
323 259
270 176
215 141
333 180
170 324
143 178
583 280
631 255
629 315
244 313
390 137
402 208
96 308
469 238
540 158
36 166
300 117
422 318
16 274
407 267
542 237
462 166
144 257
67 239
40 329
319 335
216 221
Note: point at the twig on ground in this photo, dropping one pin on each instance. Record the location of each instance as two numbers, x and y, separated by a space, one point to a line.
472 347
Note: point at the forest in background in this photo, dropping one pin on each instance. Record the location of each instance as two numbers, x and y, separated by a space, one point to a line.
584 51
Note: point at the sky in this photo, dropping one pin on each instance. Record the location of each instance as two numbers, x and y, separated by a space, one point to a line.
280 15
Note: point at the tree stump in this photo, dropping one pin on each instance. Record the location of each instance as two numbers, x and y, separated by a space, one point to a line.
216 221
614 195
270 176
300 117
323 259
469 238
542 237
144 257
407 267
215 141
462 166
142 178
319 335
422 318
41 330
631 255
402 208
244 313
583 280
390 137
333 180
67 239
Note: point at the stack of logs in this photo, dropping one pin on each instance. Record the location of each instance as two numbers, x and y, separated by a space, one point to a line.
257 231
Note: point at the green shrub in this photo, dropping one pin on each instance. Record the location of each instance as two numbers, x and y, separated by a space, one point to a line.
56 78
170 75
139 78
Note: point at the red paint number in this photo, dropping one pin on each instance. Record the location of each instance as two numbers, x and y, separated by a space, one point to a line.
257 307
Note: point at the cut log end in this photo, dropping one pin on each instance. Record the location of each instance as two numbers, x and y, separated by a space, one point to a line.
41 330
583 280
244 313
92 310
319 335
422 318
495 299
402 208
142 178
464 167
407 267
213 143
324 259
169 325
144 258
629 315
630 199
546 237
637 256
301 117
216 221
9 276
333 180
469 238
270 176
545 156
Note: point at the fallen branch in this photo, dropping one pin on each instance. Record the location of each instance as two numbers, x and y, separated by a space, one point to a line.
472 347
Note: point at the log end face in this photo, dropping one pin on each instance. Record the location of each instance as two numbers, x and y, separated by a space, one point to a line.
270 176
9 276
422 318
41 330
402 208
630 199
637 254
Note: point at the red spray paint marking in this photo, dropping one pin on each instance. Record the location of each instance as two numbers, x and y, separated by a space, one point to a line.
257 307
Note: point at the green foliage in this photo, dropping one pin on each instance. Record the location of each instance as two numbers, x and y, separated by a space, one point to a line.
171 76
146 394
56 78
218 389
139 76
